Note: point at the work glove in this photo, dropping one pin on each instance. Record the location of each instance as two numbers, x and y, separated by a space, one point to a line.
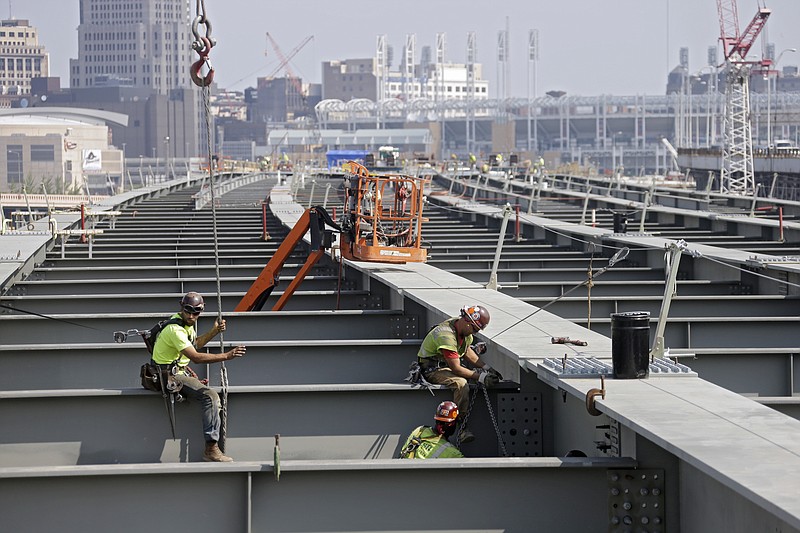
479 348
493 371
487 379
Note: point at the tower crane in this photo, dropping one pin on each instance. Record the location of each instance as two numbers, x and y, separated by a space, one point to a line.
736 175
284 63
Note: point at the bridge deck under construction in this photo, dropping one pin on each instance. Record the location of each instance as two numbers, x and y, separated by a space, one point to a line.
708 442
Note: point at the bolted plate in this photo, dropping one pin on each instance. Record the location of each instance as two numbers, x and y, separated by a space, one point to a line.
404 327
636 501
519 418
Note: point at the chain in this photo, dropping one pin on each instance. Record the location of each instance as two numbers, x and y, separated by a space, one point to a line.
494 421
466 417
472 395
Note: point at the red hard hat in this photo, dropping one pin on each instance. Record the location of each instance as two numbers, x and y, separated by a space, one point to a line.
446 412
475 314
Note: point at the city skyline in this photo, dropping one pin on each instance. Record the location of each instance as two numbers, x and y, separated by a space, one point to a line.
585 48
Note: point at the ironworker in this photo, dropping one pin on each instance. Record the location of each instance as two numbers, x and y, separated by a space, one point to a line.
443 349
427 442
176 346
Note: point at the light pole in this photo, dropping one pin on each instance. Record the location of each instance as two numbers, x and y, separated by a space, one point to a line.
141 166
614 153
166 157
770 83
122 172
709 85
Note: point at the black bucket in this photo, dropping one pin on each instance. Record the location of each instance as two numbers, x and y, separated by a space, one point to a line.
630 344
620 223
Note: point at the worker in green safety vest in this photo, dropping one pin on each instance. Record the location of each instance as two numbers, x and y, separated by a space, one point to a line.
445 347
427 442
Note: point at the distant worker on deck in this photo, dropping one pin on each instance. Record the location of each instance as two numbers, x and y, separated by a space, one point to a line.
427 442
175 347
441 353
540 166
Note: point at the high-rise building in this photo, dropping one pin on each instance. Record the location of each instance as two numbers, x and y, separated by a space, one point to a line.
280 100
357 78
349 78
21 57
135 43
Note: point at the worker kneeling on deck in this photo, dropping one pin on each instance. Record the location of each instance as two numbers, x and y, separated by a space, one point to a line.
427 442
442 351
176 346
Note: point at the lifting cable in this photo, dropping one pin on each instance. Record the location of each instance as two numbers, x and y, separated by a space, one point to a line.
119 336
202 45
12 308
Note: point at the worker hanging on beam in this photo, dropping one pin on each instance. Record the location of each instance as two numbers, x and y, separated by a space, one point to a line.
176 346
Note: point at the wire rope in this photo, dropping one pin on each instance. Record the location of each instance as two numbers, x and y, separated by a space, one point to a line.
203 47
223 371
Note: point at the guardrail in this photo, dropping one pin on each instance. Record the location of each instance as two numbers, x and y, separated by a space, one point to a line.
202 198
56 200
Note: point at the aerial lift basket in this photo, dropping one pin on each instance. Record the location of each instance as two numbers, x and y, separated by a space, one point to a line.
383 216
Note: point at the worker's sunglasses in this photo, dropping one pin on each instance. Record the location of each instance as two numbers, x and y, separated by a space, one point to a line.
193 310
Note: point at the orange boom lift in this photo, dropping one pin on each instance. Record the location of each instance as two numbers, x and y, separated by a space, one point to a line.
384 217
382 223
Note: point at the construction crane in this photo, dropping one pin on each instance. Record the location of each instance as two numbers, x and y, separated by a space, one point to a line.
284 63
736 174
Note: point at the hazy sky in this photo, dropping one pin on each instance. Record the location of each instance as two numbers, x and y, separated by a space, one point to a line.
586 47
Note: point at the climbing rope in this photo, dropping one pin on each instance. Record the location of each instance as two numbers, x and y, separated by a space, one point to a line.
202 45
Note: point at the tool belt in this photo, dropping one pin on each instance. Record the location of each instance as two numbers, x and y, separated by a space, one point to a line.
154 374
430 364
416 377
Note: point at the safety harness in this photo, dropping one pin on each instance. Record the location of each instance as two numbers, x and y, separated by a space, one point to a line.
161 377
422 368
416 377
415 440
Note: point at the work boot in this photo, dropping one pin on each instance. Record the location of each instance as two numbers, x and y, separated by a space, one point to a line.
214 455
465 436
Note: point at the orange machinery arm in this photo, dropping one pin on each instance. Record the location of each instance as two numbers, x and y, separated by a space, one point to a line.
314 218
